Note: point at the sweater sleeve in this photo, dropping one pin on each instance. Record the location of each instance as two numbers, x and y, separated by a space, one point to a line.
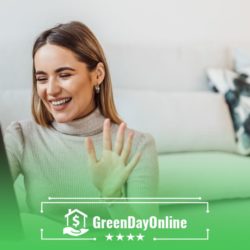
13 140
143 181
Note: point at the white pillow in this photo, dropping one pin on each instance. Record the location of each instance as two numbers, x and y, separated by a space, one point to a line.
193 121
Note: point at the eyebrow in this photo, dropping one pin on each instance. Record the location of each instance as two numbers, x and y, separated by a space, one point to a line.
56 71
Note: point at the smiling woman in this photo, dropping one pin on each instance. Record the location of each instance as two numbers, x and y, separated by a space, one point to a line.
66 54
72 102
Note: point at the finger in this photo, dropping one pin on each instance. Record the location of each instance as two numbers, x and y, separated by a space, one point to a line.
129 168
119 143
107 140
127 149
90 150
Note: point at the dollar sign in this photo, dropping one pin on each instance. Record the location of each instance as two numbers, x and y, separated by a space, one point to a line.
76 220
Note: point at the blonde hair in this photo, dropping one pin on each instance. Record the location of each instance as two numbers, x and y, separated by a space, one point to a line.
78 38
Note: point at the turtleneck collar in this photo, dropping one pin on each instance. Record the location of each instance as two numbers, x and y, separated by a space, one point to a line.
87 126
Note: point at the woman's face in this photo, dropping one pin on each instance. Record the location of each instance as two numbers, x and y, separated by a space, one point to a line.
64 84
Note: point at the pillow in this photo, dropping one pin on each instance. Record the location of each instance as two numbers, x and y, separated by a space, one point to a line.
236 90
193 121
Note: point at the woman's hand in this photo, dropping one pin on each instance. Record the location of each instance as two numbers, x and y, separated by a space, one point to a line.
111 172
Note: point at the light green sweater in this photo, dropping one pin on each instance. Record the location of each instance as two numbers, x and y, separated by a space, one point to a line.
53 162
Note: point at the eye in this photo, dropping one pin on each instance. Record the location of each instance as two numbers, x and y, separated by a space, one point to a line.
64 76
41 79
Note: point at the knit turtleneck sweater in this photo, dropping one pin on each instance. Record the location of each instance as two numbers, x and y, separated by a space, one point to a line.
53 161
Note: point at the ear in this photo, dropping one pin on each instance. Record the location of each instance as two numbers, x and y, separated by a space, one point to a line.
99 73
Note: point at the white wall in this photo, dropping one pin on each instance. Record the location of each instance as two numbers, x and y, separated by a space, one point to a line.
148 22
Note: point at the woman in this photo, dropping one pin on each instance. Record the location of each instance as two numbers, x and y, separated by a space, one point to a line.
72 102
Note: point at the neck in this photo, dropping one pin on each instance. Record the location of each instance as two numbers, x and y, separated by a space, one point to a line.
89 125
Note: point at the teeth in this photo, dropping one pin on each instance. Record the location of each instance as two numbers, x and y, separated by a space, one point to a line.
57 103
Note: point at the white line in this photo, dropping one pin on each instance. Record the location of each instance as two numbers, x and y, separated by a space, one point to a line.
180 238
42 237
128 202
68 239
207 211
125 198
205 238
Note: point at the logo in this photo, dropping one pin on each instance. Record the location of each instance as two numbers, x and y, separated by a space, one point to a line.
80 225
76 223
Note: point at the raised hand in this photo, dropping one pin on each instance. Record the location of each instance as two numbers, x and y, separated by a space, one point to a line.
113 169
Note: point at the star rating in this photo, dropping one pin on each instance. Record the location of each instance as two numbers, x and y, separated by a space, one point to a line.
130 237
120 237
109 236
140 237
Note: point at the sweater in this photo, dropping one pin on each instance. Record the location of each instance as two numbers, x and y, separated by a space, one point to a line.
53 162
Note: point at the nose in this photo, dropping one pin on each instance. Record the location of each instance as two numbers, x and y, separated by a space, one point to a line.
53 87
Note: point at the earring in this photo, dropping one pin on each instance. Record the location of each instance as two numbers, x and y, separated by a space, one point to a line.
97 89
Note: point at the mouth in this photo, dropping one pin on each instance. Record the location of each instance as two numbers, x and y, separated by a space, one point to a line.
60 104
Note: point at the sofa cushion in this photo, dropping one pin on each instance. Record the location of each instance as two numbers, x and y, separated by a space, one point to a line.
194 121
